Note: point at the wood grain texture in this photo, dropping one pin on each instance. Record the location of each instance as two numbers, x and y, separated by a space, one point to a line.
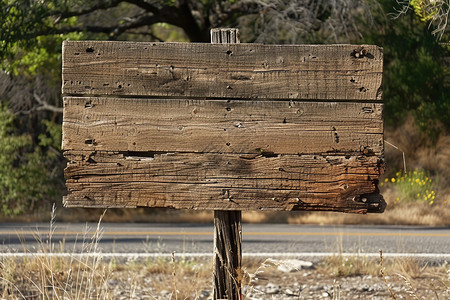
227 224
223 181
227 272
231 71
221 126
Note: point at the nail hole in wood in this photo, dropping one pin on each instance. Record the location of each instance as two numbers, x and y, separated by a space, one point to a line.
90 142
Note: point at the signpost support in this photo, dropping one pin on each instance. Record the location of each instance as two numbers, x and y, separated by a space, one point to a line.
231 127
227 254
227 224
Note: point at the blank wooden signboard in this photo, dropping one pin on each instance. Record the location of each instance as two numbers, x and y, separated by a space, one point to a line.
223 127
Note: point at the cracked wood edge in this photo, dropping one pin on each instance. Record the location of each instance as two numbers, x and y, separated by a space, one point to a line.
224 181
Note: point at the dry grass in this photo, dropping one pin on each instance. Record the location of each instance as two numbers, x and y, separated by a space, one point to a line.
399 278
174 278
64 278
412 268
45 276
414 275
185 279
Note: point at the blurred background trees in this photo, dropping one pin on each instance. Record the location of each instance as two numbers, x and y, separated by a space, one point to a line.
413 33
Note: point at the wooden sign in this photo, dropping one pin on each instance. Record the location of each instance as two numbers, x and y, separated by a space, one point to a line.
223 126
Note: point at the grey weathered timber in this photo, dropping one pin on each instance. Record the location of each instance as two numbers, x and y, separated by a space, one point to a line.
223 126
231 71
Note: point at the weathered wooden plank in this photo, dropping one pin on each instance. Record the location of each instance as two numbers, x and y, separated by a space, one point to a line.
244 71
221 126
223 181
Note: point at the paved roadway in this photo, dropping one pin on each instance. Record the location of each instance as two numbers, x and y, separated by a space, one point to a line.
257 238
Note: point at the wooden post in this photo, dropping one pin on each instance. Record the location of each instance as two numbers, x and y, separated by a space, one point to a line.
227 224
227 255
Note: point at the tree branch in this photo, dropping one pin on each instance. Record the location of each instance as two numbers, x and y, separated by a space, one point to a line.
146 34
97 6
44 105
144 5
114 30
187 21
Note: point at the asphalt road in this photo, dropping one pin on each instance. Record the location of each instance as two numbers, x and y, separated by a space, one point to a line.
257 238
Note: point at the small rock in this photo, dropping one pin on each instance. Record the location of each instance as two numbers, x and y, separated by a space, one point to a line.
316 288
376 288
293 265
272 288
112 282
204 295
290 292
328 287
363 288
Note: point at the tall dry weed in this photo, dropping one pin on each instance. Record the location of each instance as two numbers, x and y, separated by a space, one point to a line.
46 275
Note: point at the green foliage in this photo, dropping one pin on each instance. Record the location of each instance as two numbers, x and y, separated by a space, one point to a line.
169 33
43 58
52 137
24 176
414 73
28 44
425 9
414 186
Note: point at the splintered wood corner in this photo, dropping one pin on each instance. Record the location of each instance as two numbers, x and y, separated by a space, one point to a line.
223 127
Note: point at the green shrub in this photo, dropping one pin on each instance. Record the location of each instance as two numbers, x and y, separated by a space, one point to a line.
25 180
413 186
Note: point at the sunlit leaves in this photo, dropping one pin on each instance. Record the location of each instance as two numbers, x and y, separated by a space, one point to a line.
27 43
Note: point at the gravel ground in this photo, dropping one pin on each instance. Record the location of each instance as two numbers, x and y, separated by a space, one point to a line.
276 283
305 286
270 279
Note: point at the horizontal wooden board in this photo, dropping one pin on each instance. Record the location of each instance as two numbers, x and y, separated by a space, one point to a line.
224 181
243 71
221 126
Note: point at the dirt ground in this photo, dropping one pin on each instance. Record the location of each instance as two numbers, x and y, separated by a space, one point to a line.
330 278
271 282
